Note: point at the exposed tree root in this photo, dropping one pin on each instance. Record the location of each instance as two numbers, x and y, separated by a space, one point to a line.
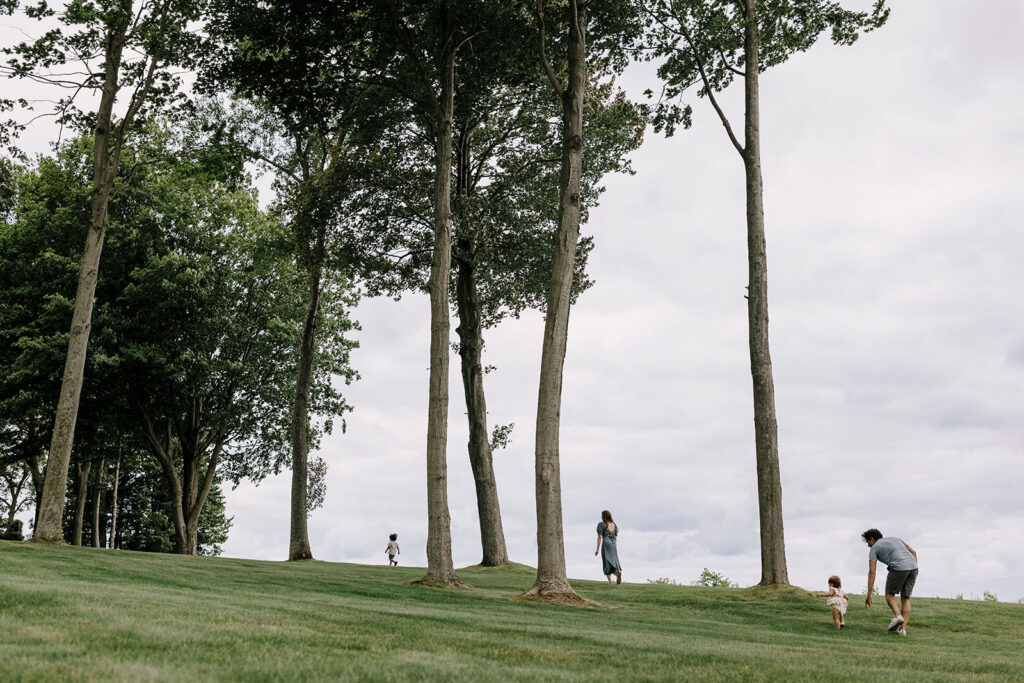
429 581
772 593
556 596
46 541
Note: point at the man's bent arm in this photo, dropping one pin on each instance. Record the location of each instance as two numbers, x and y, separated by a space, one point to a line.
912 551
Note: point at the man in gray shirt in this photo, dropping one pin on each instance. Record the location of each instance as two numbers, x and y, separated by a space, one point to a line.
901 560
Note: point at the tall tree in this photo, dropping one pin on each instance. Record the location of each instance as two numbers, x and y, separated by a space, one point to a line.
615 31
707 44
126 46
41 254
551 577
211 347
302 67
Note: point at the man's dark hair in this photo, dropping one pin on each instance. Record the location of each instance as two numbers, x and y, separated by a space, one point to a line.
872 533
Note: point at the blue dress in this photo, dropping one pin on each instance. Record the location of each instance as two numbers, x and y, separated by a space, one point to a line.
609 552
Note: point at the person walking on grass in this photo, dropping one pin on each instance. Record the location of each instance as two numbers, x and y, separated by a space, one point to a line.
607 532
901 561
837 600
392 550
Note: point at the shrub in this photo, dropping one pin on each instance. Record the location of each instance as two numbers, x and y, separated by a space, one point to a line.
12 531
710 578
663 581
989 597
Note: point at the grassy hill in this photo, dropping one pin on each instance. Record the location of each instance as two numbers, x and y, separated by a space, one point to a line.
87 614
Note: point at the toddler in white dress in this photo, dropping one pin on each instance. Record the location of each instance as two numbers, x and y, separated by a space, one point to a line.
837 600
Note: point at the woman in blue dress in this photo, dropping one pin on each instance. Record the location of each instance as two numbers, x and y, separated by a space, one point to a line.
607 532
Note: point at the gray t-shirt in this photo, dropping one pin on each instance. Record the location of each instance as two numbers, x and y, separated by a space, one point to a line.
893 553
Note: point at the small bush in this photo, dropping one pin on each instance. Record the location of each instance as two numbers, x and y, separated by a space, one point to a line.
663 581
989 597
12 531
713 579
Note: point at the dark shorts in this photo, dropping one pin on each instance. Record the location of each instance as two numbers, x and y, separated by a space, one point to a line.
901 582
390 556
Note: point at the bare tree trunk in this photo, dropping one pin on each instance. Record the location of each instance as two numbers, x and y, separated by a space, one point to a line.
298 545
82 473
51 507
37 487
492 535
97 506
769 485
551 577
186 501
113 502
440 567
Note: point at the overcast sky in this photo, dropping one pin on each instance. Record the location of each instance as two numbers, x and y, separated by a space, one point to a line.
893 191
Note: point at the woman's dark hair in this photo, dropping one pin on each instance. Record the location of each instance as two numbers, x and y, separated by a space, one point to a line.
606 517
834 581
393 537
872 533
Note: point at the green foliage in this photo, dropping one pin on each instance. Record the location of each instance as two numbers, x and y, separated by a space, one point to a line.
713 579
8 188
501 436
11 531
701 43
316 484
156 41
989 597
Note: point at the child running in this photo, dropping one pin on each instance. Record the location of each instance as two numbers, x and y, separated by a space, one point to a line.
392 550
836 600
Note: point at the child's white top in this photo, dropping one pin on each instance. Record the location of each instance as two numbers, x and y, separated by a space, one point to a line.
392 547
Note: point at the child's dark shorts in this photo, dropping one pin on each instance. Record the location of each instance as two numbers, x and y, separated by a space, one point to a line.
390 556
901 582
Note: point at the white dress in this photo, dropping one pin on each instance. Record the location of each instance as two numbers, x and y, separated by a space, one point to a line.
838 601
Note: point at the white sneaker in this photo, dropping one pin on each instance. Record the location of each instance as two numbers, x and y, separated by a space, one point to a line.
895 623
902 632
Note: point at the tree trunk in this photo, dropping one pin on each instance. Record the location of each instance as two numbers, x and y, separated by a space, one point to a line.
298 545
551 577
492 536
769 486
37 487
82 472
113 503
51 507
97 506
440 567
186 501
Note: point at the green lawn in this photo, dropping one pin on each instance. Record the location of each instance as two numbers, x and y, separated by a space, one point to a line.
88 614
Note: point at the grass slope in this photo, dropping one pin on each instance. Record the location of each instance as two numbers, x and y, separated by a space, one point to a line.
87 614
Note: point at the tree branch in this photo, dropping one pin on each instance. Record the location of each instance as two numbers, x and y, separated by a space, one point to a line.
555 83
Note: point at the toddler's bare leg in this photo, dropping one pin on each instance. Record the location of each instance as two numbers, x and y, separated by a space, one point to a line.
837 618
